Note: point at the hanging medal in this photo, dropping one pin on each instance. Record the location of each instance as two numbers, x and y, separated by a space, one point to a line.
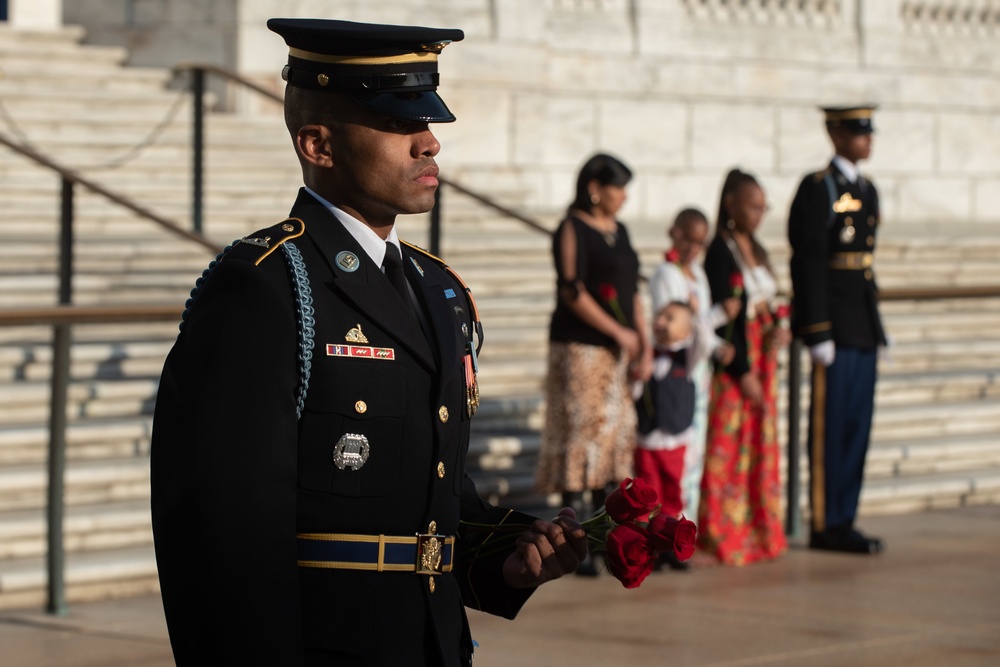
471 381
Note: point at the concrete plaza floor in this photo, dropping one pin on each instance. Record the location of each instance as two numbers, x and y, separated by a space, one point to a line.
933 599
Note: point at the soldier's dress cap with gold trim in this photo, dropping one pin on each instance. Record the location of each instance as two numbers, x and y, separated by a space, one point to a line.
857 120
388 69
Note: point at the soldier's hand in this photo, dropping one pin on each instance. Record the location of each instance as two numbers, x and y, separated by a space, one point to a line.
546 551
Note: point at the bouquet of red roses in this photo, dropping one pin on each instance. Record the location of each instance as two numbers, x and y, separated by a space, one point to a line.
630 529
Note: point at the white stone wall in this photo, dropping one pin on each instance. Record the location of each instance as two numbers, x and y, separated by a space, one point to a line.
684 89
34 14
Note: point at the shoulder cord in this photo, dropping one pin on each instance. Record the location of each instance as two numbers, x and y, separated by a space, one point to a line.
302 293
201 281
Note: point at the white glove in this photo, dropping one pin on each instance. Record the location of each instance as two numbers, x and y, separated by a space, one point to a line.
823 353
883 351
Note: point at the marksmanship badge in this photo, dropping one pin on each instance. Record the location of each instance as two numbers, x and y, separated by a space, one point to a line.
351 451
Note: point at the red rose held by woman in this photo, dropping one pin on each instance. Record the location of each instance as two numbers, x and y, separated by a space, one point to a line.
736 282
632 501
608 292
630 555
669 534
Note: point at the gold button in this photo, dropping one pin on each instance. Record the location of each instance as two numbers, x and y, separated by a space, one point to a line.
848 221
287 228
322 79
868 274
443 413
871 241
361 407
432 528
441 469
430 584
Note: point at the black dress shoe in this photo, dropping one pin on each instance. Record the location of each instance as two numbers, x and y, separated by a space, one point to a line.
872 545
845 540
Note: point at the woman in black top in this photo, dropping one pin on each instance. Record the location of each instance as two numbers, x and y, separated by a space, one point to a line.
598 343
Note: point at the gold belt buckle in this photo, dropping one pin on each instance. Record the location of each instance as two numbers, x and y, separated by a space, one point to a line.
430 554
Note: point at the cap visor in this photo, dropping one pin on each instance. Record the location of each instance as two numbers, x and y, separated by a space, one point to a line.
426 106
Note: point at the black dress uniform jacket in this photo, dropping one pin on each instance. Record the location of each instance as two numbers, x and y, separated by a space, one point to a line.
246 421
831 215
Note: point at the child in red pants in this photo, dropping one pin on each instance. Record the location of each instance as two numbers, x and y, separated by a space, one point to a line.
665 405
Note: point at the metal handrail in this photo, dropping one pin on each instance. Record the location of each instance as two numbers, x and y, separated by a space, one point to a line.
229 74
793 513
198 70
70 176
53 315
62 318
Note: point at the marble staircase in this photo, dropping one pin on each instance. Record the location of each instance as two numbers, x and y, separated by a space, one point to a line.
937 433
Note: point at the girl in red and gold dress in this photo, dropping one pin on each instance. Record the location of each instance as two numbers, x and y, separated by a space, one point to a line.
740 514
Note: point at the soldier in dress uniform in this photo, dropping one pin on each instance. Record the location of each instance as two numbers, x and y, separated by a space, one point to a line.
832 226
312 422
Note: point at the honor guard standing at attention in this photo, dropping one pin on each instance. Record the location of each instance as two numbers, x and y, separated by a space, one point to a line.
831 228
312 421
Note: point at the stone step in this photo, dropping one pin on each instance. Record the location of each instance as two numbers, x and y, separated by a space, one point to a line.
27 75
89 576
61 45
49 127
926 492
86 528
932 455
87 483
122 438
28 402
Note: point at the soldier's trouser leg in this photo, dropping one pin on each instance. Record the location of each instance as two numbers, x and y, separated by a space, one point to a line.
850 393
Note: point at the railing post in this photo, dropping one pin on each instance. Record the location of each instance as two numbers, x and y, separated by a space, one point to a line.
197 147
57 415
793 514
435 230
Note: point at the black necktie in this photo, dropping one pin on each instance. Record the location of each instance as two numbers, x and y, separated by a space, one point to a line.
392 263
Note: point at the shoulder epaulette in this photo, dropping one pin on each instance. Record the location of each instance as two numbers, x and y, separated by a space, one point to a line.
468 292
820 175
261 244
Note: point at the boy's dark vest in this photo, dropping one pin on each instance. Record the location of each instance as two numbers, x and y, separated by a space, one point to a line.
668 403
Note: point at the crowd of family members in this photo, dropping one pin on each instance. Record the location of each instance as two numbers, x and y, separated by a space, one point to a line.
690 406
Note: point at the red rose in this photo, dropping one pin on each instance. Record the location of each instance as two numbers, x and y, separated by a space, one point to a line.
783 311
736 281
633 500
667 533
672 256
608 292
630 556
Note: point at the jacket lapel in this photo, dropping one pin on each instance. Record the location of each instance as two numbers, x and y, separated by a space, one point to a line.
366 287
439 301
